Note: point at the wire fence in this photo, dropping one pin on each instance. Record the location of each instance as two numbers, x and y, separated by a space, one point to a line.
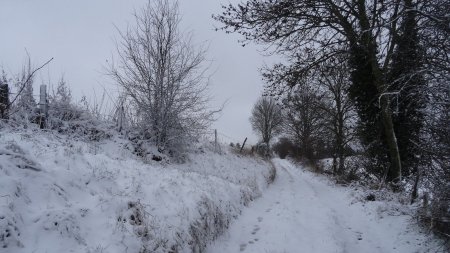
211 135
222 137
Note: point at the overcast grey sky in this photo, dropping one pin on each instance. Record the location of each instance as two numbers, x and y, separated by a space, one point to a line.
80 36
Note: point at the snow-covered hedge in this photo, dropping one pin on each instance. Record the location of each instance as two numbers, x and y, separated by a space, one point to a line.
63 195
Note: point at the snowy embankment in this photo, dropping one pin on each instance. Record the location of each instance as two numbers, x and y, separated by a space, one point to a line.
61 195
302 212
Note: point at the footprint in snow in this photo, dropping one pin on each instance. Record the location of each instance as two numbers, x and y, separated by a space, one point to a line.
260 219
242 246
256 229
359 236
268 210
251 242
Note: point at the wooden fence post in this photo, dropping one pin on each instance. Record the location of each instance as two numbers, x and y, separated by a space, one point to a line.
215 140
243 144
43 106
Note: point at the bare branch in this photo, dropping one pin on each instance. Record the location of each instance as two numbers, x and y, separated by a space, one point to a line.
28 79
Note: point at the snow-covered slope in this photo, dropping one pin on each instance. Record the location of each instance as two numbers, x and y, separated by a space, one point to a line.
304 213
61 195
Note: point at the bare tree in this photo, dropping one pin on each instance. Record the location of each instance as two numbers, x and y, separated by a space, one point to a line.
338 110
22 107
309 32
266 119
304 124
435 150
163 74
320 117
25 106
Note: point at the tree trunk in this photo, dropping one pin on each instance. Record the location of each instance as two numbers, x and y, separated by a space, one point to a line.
395 169
369 49
341 167
340 140
415 190
335 168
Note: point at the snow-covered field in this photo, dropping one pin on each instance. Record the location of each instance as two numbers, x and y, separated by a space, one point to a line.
304 213
63 195
58 194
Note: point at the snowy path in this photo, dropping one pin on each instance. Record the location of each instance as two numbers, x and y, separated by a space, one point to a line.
303 213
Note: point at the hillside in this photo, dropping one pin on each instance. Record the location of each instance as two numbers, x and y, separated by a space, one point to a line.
58 194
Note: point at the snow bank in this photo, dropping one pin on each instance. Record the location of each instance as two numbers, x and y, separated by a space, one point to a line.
63 195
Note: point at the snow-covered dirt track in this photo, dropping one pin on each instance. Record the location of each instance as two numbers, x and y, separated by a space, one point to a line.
301 212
